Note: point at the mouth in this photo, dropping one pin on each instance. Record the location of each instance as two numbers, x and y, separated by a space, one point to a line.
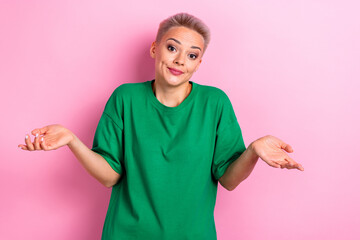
175 71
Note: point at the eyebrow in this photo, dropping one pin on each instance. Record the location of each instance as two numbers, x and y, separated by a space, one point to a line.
180 43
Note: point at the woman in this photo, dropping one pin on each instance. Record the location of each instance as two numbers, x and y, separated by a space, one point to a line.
163 145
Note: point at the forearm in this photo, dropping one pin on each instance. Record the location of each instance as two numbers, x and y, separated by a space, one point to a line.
240 169
93 162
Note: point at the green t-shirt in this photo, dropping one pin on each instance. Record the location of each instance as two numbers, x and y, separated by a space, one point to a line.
169 159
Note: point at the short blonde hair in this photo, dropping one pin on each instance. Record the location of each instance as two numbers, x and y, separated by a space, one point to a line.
184 20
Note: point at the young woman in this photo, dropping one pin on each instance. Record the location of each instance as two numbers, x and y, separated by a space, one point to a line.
164 144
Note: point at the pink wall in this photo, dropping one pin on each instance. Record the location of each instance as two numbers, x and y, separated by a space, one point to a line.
290 68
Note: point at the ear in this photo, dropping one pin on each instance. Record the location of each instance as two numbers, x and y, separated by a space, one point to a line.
152 49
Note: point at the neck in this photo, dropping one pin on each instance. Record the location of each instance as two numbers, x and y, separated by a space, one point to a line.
171 96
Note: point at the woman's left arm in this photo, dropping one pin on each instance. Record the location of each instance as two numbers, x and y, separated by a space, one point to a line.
268 148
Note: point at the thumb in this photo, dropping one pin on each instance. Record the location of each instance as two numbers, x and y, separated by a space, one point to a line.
39 130
286 147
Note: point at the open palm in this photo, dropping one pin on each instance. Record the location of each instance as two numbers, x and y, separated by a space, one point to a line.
50 137
271 150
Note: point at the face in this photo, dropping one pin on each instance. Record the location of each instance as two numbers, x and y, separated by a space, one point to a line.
180 49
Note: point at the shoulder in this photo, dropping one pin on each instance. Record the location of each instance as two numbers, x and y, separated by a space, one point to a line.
126 91
128 88
212 92
122 95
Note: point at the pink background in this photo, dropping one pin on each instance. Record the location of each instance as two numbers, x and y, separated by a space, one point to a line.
290 68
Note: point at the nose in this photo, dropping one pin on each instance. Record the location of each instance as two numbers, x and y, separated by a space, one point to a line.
179 60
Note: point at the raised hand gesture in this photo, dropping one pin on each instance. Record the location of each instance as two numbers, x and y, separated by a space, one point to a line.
50 137
271 150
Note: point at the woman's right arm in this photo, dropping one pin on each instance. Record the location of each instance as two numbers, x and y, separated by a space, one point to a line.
55 136
94 163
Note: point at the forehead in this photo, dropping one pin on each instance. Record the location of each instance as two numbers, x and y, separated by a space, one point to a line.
185 35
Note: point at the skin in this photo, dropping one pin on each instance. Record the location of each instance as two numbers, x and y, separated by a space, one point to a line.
273 151
170 90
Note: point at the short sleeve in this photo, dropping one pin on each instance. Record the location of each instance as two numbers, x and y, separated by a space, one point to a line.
229 143
108 139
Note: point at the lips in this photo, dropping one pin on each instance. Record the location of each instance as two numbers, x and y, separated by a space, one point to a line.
175 71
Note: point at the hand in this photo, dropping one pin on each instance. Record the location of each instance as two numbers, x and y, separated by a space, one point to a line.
270 149
50 137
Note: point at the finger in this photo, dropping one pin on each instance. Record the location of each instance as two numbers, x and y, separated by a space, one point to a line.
281 163
284 166
300 167
44 145
274 164
29 145
284 163
37 142
287 166
39 131
286 147
294 164
23 147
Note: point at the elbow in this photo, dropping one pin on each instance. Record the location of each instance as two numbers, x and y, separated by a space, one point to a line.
112 180
227 186
234 186
109 184
106 184
230 188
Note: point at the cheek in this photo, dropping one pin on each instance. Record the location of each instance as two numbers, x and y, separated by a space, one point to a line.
165 57
193 67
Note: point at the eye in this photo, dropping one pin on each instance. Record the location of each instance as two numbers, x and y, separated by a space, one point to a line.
193 56
170 48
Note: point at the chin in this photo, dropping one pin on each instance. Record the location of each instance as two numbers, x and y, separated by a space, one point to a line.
176 81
